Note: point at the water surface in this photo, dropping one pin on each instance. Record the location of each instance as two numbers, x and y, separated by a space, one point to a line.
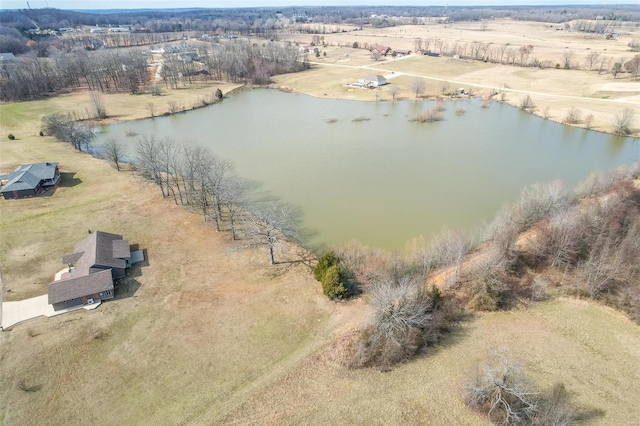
387 180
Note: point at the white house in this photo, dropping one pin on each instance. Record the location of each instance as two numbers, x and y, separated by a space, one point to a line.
372 80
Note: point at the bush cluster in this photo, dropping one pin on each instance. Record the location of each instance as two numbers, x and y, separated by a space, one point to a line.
502 392
332 276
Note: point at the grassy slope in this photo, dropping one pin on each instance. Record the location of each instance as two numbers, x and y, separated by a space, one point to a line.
592 349
211 336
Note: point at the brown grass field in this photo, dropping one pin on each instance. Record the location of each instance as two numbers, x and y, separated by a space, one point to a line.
208 334
554 92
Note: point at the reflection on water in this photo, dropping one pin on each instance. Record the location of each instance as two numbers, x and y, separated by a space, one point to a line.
387 180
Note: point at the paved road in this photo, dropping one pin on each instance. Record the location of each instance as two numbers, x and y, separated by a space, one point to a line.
15 312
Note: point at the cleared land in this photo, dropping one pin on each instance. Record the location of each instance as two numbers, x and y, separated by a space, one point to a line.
554 91
205 334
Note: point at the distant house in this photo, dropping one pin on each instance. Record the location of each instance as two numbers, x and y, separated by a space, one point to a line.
96 262
401 53
382 50
7 57
372 80
29 180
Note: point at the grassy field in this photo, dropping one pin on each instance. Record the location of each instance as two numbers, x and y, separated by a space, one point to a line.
554 92
208 334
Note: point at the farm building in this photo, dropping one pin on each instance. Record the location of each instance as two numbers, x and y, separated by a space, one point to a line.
372 80
96 262
29 180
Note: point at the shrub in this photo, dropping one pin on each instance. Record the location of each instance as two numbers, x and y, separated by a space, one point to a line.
11 136
502 391
527 104
333 283
327 260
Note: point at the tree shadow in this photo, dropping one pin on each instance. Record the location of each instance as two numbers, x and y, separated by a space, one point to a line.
588 414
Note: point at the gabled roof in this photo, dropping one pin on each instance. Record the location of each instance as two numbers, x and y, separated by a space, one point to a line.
99 250
28 176
72 288
7 57
41 170
21 181
380 48
374 77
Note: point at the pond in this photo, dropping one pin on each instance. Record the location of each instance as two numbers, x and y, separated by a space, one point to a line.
386 180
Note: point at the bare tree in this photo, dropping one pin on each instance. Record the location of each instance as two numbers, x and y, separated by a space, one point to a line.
605 61
624 121
588 121
233 198
375 55
114 151
170 166
592 59
200 163
270 224
152 109
573 116
633 66
567 59
502 391
393 91
527 104
97 103
174 107
417 86
444 86
149 161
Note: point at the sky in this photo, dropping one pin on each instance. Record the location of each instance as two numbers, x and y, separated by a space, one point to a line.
159 4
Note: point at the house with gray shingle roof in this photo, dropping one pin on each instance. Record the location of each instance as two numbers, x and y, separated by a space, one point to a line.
29 180
96 262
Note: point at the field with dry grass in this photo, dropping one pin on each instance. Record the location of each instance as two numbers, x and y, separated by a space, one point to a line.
207 334
554 91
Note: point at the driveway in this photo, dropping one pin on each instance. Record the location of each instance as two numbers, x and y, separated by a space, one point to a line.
15 312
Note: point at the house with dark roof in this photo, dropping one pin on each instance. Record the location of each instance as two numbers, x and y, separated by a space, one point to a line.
96 262
382 50
29 180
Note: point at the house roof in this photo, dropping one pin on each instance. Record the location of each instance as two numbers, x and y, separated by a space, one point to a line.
98 250
42 170
72 288
28 176
380 48
7 57
21 181
374 77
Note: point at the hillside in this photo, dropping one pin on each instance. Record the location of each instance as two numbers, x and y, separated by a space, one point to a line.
206 334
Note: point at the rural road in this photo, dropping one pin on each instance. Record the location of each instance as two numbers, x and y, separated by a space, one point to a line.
467 83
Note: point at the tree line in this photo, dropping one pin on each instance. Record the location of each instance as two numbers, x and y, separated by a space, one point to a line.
196 178
127 70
